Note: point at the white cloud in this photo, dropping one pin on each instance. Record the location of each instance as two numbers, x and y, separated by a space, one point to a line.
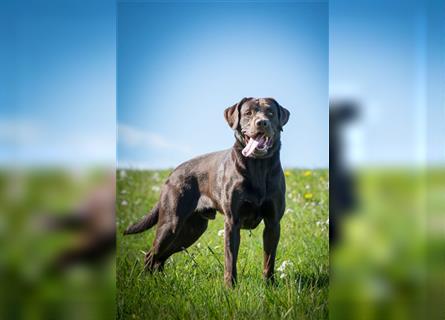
137 138
18 131
32 143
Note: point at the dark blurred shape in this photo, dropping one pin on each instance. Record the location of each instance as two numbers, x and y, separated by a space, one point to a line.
342 194
93 223
48 263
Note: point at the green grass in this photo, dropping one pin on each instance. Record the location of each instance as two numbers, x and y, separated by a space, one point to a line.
28 289
191 286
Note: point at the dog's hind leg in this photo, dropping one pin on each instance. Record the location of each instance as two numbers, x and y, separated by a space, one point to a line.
177 204
190 232
166 232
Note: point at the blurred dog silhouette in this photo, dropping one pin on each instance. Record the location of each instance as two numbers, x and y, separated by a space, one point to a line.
92 223
341 180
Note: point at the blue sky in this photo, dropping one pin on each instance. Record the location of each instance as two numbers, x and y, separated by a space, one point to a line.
57 62
388 56
180 65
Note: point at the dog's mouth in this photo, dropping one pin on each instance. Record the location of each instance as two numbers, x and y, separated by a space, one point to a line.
257 144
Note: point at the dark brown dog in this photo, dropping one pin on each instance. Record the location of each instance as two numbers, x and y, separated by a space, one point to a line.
245 183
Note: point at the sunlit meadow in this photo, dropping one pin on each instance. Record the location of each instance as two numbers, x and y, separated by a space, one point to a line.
191 286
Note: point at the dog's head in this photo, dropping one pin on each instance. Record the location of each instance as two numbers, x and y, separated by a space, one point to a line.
257 124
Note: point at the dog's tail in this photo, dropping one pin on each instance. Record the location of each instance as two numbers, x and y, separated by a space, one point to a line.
145 223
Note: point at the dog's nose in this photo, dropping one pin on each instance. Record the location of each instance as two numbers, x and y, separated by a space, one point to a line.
262 123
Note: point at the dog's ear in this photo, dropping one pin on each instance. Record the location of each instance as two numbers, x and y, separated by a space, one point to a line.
232 114
283 115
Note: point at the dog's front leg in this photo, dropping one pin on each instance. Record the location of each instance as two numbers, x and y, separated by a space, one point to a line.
271 236
231 246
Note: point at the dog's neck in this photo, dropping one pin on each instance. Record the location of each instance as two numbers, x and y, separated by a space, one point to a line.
257 172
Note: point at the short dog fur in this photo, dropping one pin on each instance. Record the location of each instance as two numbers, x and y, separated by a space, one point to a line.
244 188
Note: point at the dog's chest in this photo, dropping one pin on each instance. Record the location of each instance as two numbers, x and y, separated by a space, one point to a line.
250 215
255 193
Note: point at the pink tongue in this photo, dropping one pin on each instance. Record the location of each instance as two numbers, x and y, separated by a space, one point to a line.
251 146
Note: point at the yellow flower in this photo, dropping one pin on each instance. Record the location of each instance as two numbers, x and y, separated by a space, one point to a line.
308 195
307 173
287 173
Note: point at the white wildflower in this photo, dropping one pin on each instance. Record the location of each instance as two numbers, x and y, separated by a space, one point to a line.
122 174
124 202
282 268
221 233
124 191
284 264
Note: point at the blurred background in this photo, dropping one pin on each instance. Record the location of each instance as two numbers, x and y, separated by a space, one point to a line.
57 155
387 174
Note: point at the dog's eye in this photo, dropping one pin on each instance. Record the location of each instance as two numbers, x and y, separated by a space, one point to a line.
248 113
270 114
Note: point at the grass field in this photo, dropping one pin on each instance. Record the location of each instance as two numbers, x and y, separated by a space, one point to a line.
29 288
191 286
